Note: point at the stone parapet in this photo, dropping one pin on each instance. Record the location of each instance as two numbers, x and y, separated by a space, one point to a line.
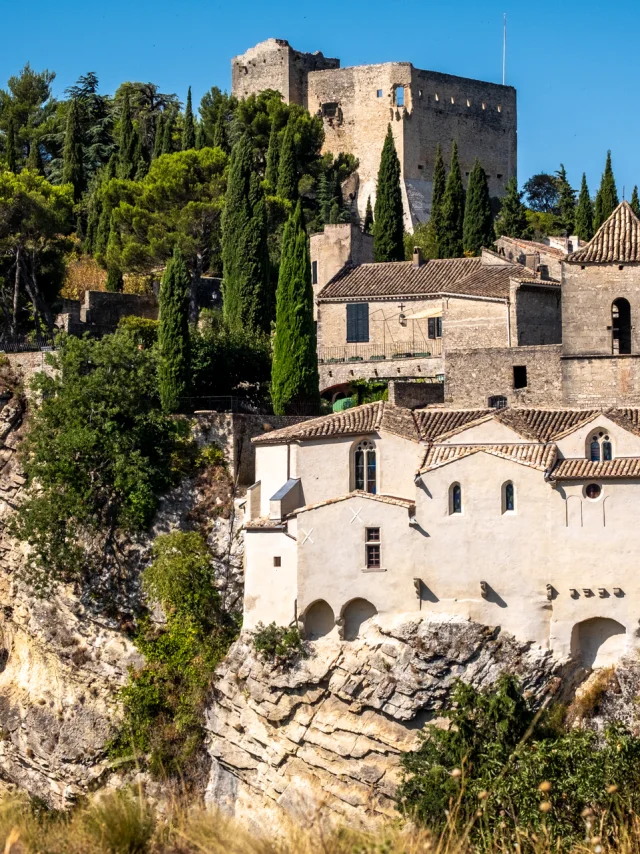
342 373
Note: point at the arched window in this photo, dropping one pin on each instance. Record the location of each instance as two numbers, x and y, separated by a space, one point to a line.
621 326
508 498
600 447
455 498
365 466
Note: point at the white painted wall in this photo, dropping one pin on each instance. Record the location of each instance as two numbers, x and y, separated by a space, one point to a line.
270 592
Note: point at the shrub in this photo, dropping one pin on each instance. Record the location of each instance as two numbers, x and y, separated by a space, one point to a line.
143 330
281 644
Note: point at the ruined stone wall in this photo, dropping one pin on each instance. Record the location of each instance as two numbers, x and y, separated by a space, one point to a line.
472 376
601 381
336 246
536 315
415 394
534 255
342 373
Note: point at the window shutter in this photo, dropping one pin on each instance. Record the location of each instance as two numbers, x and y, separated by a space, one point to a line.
357 322
432 327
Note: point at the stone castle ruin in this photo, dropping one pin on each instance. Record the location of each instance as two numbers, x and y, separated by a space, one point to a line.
424 108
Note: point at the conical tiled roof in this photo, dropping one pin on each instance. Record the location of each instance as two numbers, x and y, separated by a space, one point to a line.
617 241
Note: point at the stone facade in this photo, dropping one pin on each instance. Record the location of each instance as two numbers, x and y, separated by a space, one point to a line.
333 248
416 394
336 376
102 311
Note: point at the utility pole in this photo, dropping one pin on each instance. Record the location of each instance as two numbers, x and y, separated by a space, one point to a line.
504 51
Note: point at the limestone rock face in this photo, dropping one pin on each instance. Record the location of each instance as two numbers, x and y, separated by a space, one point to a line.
326 734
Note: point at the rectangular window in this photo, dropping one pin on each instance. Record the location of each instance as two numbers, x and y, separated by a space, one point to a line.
435 327
357 322
277 561
399 95
330 110
372 548
519 376
314 272
379 93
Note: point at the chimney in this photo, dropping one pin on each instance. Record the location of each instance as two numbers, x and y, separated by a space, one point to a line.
417 256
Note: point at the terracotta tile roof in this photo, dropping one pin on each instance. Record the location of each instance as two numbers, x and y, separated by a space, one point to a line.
544 425
538 456
578 469
466 276
628 419
409 503
617 241
359 419
535 280
435 424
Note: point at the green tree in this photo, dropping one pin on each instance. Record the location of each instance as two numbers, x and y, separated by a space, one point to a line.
159 137
388 226
478 220
635 201
566 201
367 226
127 154
27 105
512 219
450 244
273 158
73 170
541 191
220 133
12 152
584 212
167 133
287 173
431 233
189 128
294 375
115 281
34 160
247 300
607 197
173 334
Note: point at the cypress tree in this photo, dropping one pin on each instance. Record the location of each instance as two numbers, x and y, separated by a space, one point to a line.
173 333
566 200
287 174
367 226
607 198
220 134
115 282
73 167
158 138
512 220
34 160
273 157
201 140
450 243
434 226
12 148
167 134
127 156
324 198
388 226
294 372
189 129
478 221
635 201
247 302
584 212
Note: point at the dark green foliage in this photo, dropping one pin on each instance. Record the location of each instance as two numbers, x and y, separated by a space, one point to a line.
34 160
450 243
584 212
167 133
144 330
635 201
388 227
512 219
294 375
541 191
566 201
73 169
287 173
128 142
115 282
273 158
607 197
247 297
158 140
280 644
173 334
189 128
201 139
164 702
11 146
98 455
504 753
431 234
478 220
369 391
220 133
367 225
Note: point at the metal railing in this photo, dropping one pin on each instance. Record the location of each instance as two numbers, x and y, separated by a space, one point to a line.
380 352
26 343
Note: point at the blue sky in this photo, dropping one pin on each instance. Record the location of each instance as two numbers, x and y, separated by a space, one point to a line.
575 66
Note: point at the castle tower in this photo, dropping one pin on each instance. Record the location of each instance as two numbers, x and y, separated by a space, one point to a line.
601 316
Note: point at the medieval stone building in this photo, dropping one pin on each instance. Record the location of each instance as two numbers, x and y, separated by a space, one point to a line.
424 108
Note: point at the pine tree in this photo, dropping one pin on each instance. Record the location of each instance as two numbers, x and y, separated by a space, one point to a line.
584 213
367 226
127 159
158 139
294 372
450 243
478 220
12 148
173 333
566 201
189 129
273 157
512 220
287 174
247 295
607 197
73 167
635 201
167 134
34 160
388 226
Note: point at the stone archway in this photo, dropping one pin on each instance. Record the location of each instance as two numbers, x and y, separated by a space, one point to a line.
319 620
598 642
357 612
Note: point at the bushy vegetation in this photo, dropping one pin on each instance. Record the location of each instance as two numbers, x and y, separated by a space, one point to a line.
499 768
279 644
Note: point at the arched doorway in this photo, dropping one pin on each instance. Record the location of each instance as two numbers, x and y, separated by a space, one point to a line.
621 326
598 642
319 620
355 614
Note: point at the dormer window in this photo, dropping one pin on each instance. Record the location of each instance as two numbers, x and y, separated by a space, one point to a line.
600 447
364 464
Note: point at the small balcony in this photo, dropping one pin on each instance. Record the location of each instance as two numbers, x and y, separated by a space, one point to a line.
380 352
